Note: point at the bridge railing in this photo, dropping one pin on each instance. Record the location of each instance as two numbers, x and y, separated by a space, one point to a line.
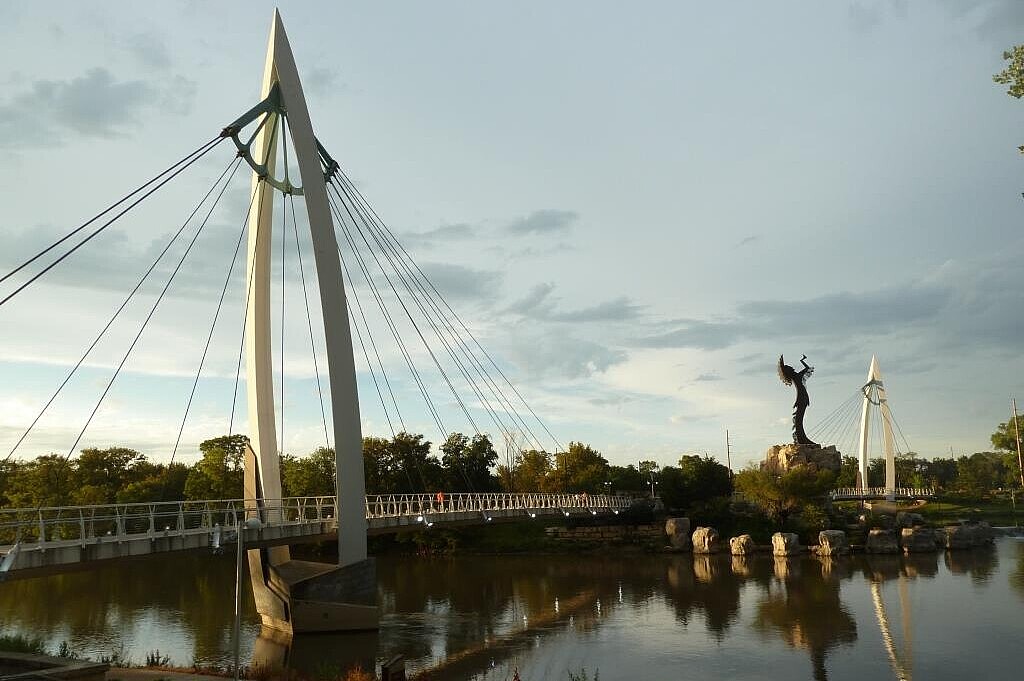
876 492
390 505
155 519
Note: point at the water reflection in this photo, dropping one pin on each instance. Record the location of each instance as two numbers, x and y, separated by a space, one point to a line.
124 605
806 612
477 617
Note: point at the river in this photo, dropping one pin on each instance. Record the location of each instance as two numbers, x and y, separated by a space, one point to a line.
624 615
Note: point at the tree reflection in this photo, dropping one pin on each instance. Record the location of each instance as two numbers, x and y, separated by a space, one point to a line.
192 591
706 584
979 563
1017 576
807 613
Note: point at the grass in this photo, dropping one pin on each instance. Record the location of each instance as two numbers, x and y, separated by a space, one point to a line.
16 643
996 511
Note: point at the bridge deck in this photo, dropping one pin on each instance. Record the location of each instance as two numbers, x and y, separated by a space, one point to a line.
34 541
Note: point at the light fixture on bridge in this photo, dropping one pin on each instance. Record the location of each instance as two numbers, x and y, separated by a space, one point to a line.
565 512
593 512
533 515
419 519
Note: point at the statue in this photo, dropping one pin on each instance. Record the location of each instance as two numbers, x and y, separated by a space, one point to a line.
790 376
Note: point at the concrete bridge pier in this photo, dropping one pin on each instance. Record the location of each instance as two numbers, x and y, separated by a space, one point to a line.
295 596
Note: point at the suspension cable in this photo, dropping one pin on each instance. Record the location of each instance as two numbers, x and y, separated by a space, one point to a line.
309 324
116 314
109 222
369 207
216 316
106 210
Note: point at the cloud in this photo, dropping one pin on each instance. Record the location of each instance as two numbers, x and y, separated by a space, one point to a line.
90 105
746 241
149 49
551 354
457 281
540 304
547 221
712 376
322 80
444 233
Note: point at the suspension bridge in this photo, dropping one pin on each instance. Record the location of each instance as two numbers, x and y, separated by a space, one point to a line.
362 272
876 431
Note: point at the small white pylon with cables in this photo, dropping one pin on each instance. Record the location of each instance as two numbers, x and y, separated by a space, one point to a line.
875 398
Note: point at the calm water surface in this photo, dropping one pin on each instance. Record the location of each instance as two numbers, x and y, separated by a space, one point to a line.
629 616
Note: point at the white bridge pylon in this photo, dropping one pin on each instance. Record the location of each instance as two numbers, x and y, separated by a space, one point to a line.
280 70
875 398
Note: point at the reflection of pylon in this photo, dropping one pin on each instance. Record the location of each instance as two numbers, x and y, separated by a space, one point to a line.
903 672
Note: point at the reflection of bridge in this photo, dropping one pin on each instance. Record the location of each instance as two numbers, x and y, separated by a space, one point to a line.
867 493
51 539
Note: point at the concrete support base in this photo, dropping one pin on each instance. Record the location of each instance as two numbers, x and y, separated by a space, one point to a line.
301 596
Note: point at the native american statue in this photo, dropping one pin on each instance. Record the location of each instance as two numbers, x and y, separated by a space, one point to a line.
790 376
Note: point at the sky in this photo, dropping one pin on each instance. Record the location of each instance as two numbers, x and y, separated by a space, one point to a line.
635 207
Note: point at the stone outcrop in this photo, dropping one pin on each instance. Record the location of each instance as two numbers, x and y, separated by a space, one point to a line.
782 458
832 543
966 536
785 544
678 531
742 545
705 540
905 519
917 539
881 541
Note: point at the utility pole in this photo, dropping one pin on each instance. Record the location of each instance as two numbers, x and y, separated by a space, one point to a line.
728 453
1016 432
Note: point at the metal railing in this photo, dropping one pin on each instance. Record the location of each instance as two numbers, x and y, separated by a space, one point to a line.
881 492
98 523
390 505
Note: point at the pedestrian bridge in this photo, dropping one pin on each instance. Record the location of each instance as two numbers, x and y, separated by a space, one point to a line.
868 493
34 541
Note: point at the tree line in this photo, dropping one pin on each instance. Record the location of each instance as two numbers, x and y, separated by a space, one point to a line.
405 463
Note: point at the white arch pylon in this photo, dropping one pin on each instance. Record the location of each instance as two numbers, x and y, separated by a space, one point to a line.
875 397
280 584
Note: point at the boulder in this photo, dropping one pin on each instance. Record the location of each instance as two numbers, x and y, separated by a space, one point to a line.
917 539
785 544
705 540
905 519
742 545
983 534
678 531
782 458
832 543
881 541
966 536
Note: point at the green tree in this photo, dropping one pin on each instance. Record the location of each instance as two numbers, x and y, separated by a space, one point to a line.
412 468
1005 440
1013 75
43 481
218 475
780 495
309 476
580 469
467 463
101 473
155 482
625 479
530 470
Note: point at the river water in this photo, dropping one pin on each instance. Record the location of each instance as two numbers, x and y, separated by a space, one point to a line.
624 615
